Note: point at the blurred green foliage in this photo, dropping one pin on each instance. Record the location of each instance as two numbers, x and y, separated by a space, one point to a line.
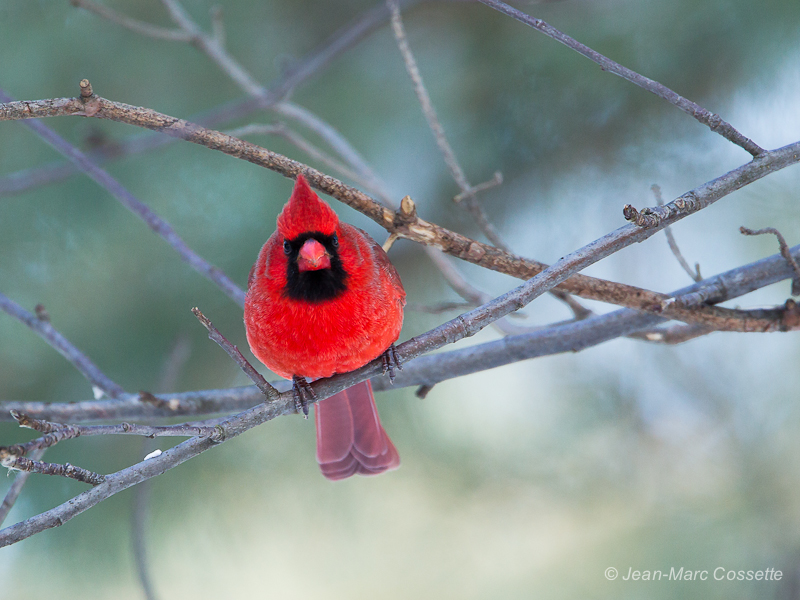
526 481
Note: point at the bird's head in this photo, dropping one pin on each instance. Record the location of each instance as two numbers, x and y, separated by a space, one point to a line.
310 232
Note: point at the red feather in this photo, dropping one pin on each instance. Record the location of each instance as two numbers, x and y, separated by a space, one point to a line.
321 333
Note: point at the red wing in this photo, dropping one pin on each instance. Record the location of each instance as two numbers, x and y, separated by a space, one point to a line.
384 264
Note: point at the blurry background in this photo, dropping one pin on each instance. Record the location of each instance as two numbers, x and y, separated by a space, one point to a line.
524 481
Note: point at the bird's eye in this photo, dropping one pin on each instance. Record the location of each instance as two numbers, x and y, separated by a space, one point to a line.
287 247
335 241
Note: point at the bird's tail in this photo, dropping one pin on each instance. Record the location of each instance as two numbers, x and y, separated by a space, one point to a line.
350 437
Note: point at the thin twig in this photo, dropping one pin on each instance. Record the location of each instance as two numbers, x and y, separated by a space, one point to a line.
133 204
58 432
468 193
785 252
140 27
269 392
301 72
139 514
15 490
22 463
713 121
497 179
294 138
673 245
101 383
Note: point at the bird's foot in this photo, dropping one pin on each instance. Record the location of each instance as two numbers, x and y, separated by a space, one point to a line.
391 362
303 394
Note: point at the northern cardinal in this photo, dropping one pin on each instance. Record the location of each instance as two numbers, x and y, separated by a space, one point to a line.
323 298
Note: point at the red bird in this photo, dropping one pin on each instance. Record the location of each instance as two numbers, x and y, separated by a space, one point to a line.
323 298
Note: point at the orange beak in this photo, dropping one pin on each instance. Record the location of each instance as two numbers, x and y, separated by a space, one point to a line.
313 256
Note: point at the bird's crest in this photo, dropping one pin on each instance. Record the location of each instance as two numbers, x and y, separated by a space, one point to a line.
306 212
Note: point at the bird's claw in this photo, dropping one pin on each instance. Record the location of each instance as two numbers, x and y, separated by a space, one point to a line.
391 362
303 393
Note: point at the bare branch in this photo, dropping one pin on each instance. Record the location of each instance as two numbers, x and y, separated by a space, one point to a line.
428 369
140 27
15 490
21 463
129 201
673 245
713 121
785 252
468 193
281 130
100 382
417 229
447 365
497 179
301 71
269 392
676 334
58 432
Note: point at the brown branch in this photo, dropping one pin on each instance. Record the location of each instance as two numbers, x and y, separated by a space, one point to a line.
785 252
783 318
415 228
713 121
40 323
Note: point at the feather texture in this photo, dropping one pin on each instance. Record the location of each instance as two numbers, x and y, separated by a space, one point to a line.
314 323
